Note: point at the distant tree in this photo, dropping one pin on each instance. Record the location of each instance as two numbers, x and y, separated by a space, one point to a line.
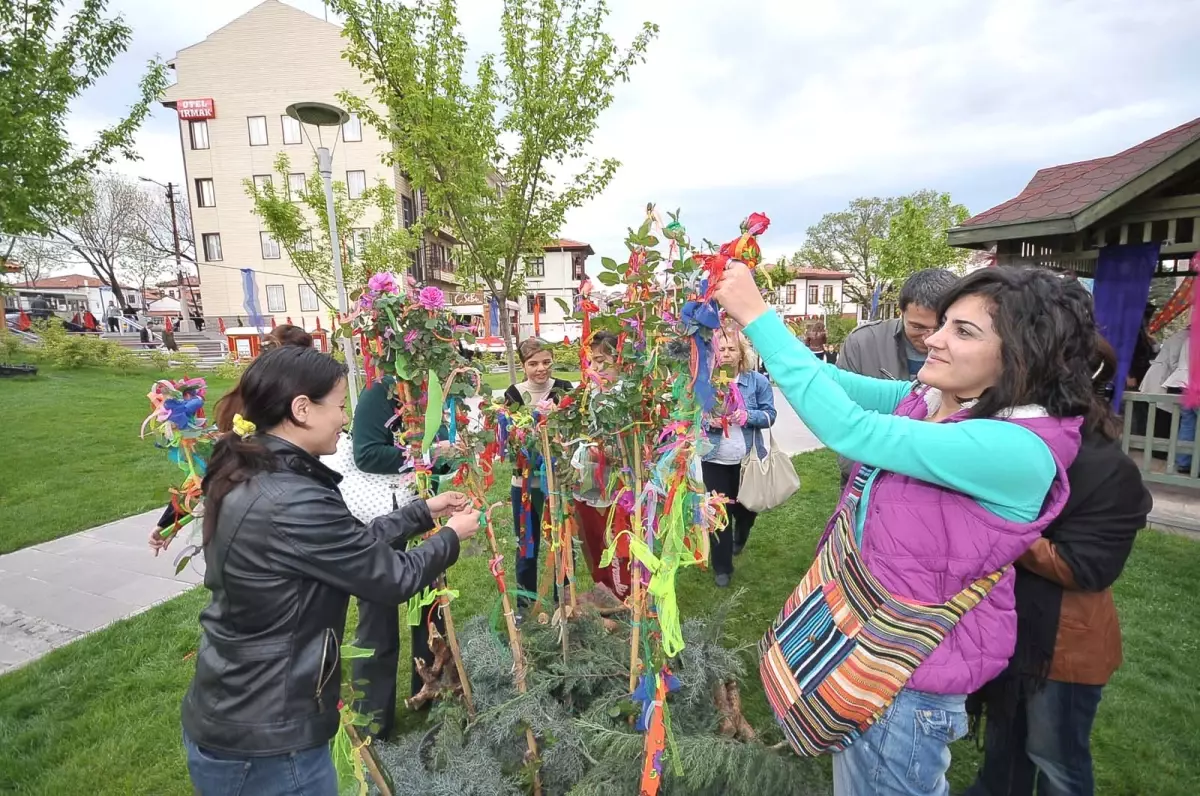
916 237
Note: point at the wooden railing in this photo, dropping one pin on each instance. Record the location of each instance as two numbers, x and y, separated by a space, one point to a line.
1152 427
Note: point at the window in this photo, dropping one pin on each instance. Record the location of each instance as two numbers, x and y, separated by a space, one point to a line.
308 299
812 295
406 203
206 196
356 244
305 243
539 299
535 267
270 246
258 130
275 299
574 305
262 182
865 313
577 271
199 134
356 184
296 185
212 246
291 130
827 294
790 294
352 129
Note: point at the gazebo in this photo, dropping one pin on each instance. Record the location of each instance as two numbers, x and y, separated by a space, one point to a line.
1122 220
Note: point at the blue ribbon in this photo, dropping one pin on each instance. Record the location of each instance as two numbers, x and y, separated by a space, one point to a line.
700 320
453 434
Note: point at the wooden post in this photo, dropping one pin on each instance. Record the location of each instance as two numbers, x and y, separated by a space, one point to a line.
368 758
551 507
638 596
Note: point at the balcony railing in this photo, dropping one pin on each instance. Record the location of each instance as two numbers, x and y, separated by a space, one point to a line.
1151 438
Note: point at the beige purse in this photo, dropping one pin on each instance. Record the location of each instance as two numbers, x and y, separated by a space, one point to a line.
767 482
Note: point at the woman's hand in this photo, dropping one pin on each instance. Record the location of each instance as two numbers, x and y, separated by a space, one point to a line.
465 524
739 417
738 294
158 542
447 503
448 450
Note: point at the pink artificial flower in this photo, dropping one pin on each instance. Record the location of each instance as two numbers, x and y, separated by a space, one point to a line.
431 298
366 301
411 338
383 282
627 501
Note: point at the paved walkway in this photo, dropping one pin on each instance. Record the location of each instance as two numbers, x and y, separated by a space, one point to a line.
53 593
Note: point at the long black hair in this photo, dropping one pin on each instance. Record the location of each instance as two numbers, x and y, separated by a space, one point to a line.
1048 342
265 394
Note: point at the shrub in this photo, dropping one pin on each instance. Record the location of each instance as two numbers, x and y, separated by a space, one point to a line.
160 360
14 349
124 361
229 369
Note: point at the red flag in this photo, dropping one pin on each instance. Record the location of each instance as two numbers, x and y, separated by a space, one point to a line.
537 323
23 322
289 320
168 327
221 325
318 323
272 321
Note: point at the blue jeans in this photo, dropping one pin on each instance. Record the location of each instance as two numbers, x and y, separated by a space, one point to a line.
1047 742
306 773
1187 433
905 752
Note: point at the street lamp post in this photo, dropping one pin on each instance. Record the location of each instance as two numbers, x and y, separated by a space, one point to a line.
319 114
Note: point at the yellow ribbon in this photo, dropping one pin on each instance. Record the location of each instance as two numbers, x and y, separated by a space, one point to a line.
243 427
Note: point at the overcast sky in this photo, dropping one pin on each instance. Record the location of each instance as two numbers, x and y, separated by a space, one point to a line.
795 107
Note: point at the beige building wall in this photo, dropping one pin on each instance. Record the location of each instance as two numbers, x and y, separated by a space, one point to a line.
257 65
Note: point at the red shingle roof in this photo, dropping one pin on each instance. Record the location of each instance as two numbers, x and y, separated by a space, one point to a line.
819 273
1065 190
568 244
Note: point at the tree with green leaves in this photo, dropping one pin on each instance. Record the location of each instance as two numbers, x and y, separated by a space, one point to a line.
499 156
859 241
300 225
916 237
47 62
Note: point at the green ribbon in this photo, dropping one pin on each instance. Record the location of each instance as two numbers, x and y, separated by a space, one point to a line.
419 601
433 410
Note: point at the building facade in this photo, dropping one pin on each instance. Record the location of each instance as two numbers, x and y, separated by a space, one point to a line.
230 94
70 294
813 294
554 275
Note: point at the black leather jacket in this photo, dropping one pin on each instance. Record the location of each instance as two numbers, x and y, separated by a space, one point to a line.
281 566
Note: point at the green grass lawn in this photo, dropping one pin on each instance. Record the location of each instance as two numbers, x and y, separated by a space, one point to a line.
102 714
72 458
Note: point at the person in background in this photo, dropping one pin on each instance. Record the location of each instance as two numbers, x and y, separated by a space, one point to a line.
593 500
732 437
538 362
375 451
815 338
1169 374
229 405
283 556
1041 708
1144 351
112 316
959 475
895 348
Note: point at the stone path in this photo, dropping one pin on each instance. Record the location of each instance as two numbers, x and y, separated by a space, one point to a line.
53 593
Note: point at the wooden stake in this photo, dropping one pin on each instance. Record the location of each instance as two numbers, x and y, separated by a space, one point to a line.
552 508
638 596
452 639
368 758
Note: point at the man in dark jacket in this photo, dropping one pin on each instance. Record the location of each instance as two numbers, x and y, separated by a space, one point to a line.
895 348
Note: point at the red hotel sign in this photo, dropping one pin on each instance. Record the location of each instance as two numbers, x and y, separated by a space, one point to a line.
194 109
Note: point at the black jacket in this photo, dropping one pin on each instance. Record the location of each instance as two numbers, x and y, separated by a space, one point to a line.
558 388
284 559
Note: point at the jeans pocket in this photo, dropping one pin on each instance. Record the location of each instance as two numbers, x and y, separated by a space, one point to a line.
932 733
213 775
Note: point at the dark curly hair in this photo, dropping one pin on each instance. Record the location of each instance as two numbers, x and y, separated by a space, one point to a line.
1048 343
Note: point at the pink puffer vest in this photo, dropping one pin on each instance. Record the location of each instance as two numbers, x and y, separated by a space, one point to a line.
926 543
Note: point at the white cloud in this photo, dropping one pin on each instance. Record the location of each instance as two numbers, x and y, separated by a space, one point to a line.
821 99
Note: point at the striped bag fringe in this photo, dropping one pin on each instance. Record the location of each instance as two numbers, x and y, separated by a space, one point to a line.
843 647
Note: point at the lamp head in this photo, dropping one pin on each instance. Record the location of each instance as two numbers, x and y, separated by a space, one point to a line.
318 114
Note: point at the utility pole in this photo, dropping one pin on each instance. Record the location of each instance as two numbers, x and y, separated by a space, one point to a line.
186 315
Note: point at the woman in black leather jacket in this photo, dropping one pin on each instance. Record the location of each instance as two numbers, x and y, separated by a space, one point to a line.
283 555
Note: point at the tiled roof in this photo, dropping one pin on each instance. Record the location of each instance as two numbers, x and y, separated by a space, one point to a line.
1065 190
567 243
819 273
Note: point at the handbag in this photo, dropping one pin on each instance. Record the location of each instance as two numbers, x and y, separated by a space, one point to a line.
767 482
842 647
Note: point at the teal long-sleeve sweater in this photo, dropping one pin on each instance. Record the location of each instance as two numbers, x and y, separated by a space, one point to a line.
1006 468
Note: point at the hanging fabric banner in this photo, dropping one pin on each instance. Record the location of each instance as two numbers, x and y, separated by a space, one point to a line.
494 325
250 298
1121 288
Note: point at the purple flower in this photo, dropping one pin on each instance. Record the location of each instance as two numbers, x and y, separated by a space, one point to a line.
627 501
431 298
411 338
383 282
366 301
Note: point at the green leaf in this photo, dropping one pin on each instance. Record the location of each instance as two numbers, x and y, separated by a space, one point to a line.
433 411
562 305
608 263
651 241
609 279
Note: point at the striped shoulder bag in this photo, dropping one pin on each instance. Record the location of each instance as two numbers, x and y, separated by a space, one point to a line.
843 647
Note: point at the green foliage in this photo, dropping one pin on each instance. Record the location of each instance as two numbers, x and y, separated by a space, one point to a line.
230 369
14 349
856 241
515 124
579 708
124 361
300 224
71 351
916 237
160 360
48 62
838 328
